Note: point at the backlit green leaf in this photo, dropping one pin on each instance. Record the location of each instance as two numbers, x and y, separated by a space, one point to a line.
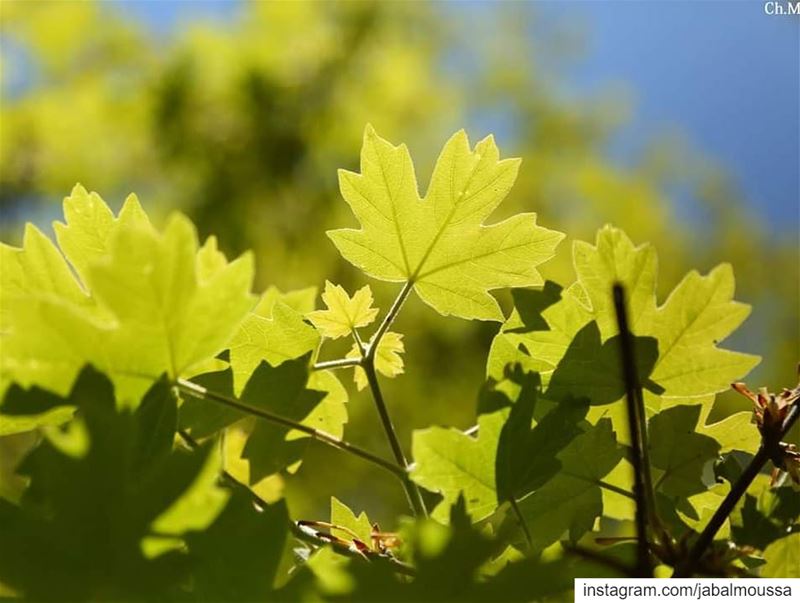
451 463
147 302
343 314
440 242
388 360
274 332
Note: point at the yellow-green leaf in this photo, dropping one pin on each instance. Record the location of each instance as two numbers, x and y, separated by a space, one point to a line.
147 302
440 243
274 333
343 313
388 361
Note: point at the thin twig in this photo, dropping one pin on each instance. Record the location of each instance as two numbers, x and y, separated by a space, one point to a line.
412 490
205 394
633 397
335 364
687 567
597 557
368 364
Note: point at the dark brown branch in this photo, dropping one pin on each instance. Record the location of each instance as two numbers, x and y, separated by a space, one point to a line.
636 420
765 452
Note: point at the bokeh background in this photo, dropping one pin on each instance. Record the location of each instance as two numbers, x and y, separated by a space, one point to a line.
677 121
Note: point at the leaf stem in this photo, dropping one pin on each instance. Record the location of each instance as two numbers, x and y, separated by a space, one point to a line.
642 486
765 452
521 520
357 339
615 489
205 394
388 320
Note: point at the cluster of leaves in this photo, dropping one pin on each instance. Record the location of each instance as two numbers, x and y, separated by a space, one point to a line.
171 405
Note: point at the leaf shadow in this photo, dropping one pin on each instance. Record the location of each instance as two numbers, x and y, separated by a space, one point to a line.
531 303
592 369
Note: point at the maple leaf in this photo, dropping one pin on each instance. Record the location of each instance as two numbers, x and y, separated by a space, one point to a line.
146 302
677 453
453 464
783 558
344 314
328 567
572 500
439 243
273 332
341 515
87 510
570 336
388 361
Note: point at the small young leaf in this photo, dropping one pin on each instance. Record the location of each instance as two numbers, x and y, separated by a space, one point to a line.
341 515
388 361
344 314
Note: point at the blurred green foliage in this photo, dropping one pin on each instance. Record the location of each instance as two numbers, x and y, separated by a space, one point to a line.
243 125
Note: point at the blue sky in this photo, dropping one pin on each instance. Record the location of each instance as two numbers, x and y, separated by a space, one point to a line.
723 73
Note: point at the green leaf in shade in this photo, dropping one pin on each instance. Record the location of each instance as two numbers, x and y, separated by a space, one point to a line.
571 501
317 400
515 451
147 302
237 557
26 409
677 453
527 450
202 418
86 513
270 488
440 243
765 514
783 558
